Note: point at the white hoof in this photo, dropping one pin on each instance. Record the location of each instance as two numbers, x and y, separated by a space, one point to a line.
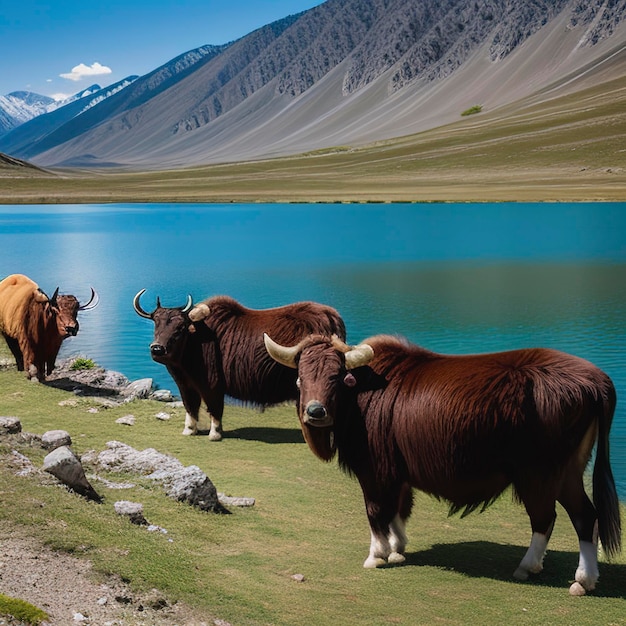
215 436
188 431
372 562
396 557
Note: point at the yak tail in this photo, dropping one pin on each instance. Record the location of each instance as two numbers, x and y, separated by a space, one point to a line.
604 493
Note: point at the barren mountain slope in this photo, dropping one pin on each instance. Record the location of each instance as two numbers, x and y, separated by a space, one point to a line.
351 72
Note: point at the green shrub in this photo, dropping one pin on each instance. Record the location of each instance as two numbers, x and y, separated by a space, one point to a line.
477 108
82 363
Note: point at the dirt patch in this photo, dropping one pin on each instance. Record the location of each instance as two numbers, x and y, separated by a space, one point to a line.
68 590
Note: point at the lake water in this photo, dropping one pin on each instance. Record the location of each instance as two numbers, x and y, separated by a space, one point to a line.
455 278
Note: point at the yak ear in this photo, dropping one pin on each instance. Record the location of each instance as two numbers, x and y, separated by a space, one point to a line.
199 312
359 356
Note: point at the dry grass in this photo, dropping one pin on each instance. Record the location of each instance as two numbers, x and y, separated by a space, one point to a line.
570 148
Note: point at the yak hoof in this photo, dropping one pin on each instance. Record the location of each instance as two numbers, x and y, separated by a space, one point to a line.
396 557
577 589
372 562
215 436
520 574
188 431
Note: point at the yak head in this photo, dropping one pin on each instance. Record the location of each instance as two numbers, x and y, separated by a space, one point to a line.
68 307
323 365
63 311
172 327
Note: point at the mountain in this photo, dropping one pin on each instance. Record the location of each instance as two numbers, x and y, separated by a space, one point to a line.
79 117
34 131
345 73
18 107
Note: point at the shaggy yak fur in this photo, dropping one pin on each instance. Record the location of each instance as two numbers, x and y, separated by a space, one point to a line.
216 349
463 428
34 325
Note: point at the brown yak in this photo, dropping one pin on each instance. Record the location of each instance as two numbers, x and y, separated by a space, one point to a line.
34 326
463 428
216 349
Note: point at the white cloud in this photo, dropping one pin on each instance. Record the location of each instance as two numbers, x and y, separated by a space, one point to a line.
81 71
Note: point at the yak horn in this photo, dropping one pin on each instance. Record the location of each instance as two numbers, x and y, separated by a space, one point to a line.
281 354
53 300
138 308
189 304
359 356
93 302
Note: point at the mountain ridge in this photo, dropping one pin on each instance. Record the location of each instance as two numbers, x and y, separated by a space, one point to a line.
347 72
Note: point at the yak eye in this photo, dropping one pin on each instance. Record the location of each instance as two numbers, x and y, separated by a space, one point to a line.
298 383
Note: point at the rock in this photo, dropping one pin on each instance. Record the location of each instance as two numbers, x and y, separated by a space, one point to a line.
161 415
138 389
68 403
133 510
53 439
162 395
127 420
235 501
190 484
63 464
10 425
187 484
22 465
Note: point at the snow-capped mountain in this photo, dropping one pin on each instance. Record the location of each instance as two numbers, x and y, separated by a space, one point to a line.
18 107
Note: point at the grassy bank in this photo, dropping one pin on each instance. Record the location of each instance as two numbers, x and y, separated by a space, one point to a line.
562 149
308 519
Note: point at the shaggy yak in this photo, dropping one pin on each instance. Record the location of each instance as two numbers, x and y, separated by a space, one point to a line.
463 428
34 326
216 348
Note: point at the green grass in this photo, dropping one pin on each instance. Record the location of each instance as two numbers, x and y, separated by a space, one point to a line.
20 610
308 519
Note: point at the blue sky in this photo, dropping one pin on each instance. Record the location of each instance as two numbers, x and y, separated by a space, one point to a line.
62 46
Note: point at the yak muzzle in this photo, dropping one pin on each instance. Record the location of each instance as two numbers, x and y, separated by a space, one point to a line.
157 350
71 331
315 414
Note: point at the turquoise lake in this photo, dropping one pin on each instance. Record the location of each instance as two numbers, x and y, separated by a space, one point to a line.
454 278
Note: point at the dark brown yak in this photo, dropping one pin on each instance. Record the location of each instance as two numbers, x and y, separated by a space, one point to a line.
216 349
34 325
463 428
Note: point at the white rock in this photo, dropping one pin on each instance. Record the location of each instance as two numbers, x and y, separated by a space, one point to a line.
127 420
53 439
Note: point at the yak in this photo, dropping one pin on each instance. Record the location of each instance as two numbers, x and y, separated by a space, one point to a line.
462 429
34 325
215 349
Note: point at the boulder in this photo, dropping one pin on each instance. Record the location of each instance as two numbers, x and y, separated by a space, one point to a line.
10 425
133 510
138 389
186 484
53 439
64 465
